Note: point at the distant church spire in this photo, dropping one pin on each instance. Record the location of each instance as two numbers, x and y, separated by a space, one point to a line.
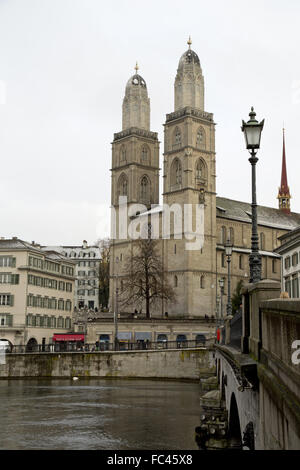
284 190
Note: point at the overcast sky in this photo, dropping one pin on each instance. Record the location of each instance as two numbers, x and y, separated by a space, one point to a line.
64 65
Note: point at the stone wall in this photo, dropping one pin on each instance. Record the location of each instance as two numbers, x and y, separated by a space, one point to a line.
172 364
279 377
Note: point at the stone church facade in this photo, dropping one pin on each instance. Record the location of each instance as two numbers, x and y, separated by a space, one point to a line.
189 177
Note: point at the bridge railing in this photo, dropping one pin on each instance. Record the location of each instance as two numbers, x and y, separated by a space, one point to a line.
102 346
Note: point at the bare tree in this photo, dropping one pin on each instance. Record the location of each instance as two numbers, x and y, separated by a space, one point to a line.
145 280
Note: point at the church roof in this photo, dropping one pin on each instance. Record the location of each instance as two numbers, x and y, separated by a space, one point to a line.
268 216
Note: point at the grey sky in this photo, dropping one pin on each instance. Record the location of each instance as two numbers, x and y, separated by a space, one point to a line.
64 65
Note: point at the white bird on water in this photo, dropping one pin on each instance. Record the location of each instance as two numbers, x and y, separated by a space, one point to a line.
75 378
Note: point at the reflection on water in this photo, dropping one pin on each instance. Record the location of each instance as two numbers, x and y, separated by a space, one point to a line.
98 414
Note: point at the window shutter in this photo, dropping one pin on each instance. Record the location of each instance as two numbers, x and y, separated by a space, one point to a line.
11 302
9 320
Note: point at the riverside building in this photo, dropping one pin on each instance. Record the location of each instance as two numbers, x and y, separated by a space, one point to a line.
36 293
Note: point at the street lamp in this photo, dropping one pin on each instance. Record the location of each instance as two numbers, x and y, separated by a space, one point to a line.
228 251
221 284
116 308
252 132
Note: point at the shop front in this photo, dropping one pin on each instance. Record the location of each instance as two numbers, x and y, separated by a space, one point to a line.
64 342
143 339
124 339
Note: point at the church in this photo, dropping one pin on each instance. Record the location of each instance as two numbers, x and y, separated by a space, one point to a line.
189 177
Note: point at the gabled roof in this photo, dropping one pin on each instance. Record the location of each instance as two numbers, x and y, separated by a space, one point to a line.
268 216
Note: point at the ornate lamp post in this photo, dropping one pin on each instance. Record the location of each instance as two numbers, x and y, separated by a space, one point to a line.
228 252
252 132
221 284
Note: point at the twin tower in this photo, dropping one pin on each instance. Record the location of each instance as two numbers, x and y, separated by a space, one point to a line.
188 147
189 175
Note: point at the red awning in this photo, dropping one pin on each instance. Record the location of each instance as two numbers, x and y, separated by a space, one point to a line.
66 337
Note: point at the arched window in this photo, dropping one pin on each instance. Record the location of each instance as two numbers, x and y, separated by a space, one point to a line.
202 282
231 235
123 185
223 235
177 136
144 154
145 189
175 281
262 240
176 172
123 153
200 140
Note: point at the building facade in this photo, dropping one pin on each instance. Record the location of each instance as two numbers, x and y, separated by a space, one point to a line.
36 293
87 259
189 177
290 253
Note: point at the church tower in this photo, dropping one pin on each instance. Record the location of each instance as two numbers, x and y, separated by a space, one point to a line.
190 178
284 196
135 168
135 150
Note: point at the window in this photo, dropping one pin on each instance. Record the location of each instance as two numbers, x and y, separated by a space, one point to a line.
202 282
287 262
177 137
176 172
175 281
295 287
223 260
6 319
123 185
274 266
6 299
7 261
241 262
200 140
200 170
8 278
144 154
175 249
223 235
231 235
295 259
145 192
123 154
61 304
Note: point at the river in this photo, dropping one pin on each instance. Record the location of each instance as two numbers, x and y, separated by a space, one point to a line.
87 414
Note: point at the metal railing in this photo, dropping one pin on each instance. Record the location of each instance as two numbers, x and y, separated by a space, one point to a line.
102 346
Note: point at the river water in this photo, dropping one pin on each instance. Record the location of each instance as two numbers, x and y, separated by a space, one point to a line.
98 414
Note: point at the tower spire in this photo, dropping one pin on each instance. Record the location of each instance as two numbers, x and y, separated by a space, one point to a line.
284 190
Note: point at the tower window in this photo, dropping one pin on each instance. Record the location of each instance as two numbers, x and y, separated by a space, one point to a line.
123 154
200 141
200 171
145 190
177 137
123 185
202 284
175 281
144 155
176 172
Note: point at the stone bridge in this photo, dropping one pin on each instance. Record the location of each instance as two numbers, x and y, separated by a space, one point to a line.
255 400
